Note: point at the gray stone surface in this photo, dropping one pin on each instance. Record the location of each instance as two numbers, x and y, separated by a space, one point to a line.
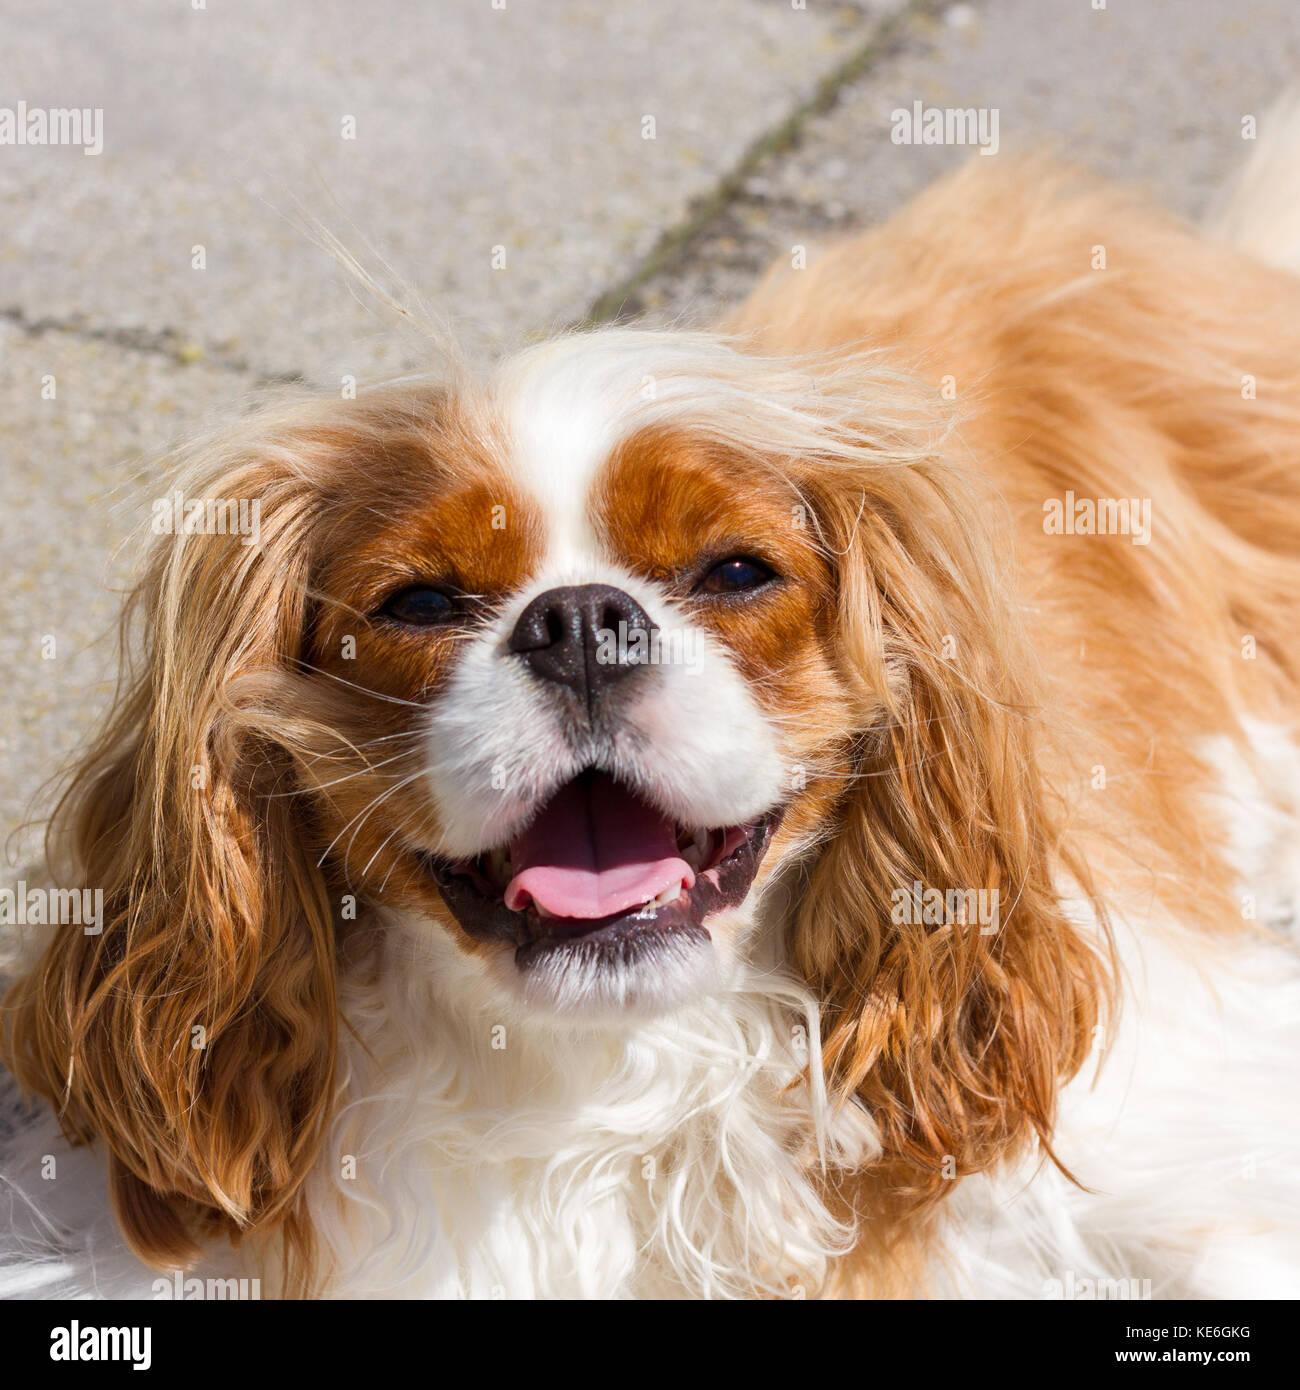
475 127
76 490
1147 91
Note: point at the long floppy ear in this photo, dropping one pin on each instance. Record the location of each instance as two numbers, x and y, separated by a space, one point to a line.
954 1033
195 1034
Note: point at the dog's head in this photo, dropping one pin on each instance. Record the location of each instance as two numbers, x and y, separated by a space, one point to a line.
559 671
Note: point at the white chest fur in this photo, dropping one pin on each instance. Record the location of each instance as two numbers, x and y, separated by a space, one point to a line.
475 1155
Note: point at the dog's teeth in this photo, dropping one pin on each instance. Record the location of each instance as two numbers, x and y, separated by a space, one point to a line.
695 850
498 862
669 895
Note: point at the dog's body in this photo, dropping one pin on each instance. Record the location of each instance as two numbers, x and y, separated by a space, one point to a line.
1144 841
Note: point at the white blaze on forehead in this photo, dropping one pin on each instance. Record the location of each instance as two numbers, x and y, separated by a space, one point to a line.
565 407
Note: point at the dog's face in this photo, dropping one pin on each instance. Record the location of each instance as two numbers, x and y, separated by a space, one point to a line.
558 672
592 697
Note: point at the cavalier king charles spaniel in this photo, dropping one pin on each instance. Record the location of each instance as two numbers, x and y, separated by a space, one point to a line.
807 809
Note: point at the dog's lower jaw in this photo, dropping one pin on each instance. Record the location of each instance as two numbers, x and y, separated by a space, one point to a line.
645 974
651 974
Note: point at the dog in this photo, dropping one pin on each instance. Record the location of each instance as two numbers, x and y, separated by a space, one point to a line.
802 809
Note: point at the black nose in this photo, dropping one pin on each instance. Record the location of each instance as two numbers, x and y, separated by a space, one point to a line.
583 637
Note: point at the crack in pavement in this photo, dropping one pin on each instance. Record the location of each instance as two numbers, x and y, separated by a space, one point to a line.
164 342
672 248
676 243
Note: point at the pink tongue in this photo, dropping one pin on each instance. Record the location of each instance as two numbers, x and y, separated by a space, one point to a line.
595 850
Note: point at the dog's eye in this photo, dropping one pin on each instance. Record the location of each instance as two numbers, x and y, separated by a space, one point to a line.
421 606
736 575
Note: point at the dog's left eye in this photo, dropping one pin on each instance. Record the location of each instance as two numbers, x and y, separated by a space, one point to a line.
420 606
736 575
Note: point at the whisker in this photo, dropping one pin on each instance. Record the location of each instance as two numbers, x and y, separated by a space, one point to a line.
369 743
365 810
374 805
364 690
347 777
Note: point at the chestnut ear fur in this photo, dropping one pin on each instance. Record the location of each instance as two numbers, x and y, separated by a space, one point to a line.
196 1034
956 1037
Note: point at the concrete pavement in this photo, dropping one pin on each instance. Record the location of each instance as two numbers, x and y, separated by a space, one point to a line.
512 166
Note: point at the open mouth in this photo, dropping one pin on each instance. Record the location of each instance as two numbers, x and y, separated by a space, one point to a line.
598 869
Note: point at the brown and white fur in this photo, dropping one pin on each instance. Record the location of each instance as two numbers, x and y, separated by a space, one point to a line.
816 1097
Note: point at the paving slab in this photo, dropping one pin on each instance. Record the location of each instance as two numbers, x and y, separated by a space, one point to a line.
76 489
476 127
1144 91
421 136
501 161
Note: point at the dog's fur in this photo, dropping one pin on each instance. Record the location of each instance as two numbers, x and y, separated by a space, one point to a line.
827 1099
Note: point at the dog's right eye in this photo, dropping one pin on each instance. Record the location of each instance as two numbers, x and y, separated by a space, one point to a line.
420 606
